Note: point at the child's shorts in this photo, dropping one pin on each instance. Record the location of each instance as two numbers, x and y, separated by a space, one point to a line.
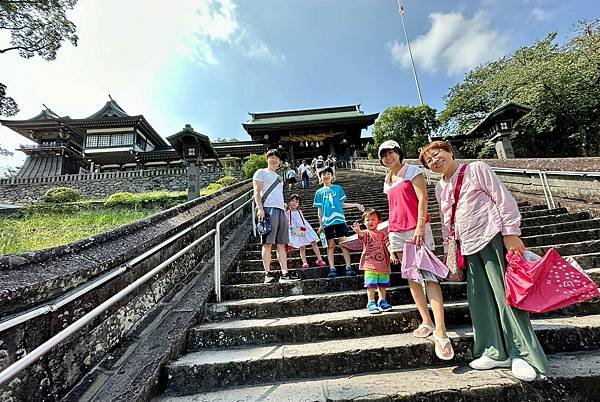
336 231
376 279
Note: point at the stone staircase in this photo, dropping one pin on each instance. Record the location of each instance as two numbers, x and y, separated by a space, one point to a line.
313 339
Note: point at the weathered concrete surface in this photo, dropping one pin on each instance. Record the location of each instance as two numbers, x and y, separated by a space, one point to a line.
63 366
132 371
28 278
574 379
211 369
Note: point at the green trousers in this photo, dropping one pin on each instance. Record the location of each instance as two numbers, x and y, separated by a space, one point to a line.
500 331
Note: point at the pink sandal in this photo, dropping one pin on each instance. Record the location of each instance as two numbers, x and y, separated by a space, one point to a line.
305 265
321 263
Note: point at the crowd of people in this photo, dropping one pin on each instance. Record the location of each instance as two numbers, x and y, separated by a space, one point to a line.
475 208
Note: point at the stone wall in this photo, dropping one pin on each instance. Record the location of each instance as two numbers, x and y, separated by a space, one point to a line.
39 278
582 186
100 186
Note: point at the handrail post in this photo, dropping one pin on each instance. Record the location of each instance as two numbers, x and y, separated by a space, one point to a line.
253 216
541 175
549 191
218 262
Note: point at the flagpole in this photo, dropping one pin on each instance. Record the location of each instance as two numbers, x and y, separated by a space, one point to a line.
401 11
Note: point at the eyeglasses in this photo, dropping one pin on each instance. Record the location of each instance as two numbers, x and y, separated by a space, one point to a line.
433 156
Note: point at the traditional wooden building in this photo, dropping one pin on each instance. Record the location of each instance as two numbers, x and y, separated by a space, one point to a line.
112 140
305 134
109 139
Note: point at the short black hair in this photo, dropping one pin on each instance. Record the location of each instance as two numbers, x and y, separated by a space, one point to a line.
371 211
273 152
327 169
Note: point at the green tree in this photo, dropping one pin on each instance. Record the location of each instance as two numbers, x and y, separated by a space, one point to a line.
33 27
559 82
254 163
408 125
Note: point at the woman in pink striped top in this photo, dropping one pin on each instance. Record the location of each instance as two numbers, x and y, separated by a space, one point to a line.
487 224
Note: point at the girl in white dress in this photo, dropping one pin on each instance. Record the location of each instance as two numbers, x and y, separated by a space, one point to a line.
301 233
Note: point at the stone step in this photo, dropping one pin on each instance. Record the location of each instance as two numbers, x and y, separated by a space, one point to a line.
532 236
249 262
343 324
575 377
255 274
561 238
566 243
315 327
560 227
315 303
214 369
303 304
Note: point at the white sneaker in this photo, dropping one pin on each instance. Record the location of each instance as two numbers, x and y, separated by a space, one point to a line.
523 370
487 363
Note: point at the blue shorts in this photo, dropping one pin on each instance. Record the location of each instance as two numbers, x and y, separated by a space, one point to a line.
336 231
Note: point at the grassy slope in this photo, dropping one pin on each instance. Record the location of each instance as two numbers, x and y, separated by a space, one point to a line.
43 230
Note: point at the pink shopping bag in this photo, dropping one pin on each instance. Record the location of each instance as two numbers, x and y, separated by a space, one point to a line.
547 284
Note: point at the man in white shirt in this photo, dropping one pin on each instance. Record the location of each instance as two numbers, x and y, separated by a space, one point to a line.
274 207
304 175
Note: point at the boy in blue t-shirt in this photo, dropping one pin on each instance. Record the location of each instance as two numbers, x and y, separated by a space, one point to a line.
330 203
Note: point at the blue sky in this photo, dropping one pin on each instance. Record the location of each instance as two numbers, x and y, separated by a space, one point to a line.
210 62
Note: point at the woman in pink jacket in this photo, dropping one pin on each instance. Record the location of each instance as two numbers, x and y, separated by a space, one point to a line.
487 223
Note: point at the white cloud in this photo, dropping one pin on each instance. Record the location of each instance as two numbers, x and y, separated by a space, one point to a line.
541 14
260 50
453 44
130 49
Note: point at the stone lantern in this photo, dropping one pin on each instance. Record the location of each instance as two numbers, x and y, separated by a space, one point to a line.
193 148
498 128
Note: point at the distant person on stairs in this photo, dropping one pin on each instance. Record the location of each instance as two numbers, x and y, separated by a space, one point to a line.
374 261
301 233
488 225
330 203
406 191
268 196
304 170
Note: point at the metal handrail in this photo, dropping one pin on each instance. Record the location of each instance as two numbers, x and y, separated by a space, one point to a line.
45 347
80 291
542 175
217 259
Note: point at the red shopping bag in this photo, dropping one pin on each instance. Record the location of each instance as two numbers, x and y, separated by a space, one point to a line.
547 284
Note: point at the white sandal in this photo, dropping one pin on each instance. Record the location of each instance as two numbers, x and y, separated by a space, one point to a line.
440 346
430 329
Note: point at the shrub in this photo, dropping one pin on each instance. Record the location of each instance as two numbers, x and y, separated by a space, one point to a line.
60 195
254 163
226 181
211 188
163 198
122 198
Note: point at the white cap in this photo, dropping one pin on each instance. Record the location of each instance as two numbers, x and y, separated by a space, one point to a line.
389 144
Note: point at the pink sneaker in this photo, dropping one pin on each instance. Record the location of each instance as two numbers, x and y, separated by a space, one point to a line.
321 263
305 265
